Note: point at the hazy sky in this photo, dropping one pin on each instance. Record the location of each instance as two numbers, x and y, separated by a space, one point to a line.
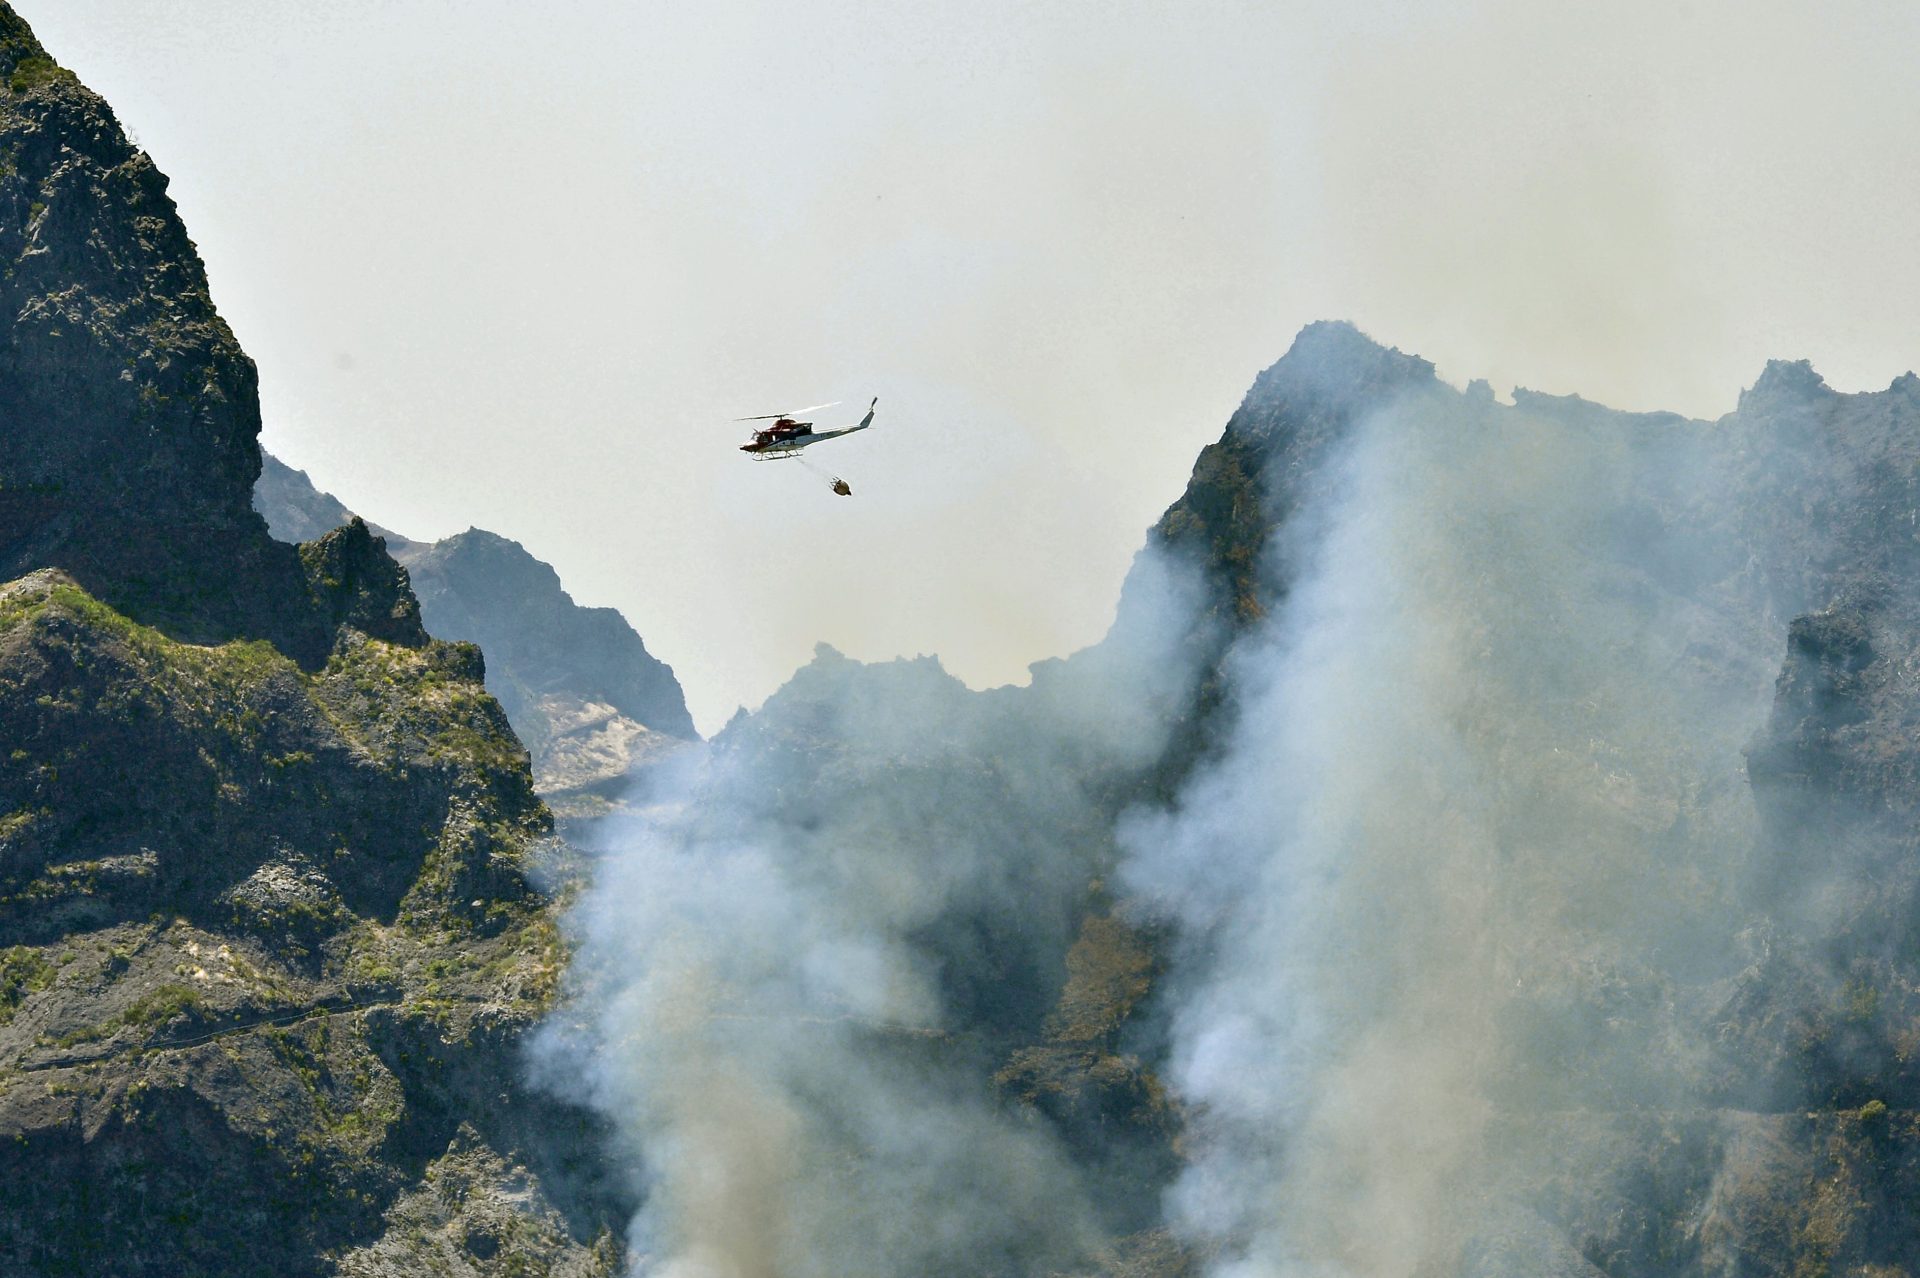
515 265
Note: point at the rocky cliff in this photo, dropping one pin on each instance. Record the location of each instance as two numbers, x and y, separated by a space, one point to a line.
131 411
268 938
578 684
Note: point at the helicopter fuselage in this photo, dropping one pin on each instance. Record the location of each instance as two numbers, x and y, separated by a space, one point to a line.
786 438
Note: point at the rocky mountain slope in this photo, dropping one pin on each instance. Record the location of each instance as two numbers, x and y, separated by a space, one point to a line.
267 934
578 684
1483 845
1683 1001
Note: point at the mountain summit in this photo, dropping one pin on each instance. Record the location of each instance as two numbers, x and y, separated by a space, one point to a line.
131 412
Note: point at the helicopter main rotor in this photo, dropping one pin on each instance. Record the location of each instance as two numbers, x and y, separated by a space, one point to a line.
789 415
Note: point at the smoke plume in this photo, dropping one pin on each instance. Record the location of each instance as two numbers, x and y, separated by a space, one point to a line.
1501 894
1475 868
805 955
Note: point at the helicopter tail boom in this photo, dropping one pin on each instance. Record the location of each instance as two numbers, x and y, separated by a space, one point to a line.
820 435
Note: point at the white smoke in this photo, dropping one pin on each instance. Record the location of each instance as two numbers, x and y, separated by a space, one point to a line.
804 956
1467 879
1485 765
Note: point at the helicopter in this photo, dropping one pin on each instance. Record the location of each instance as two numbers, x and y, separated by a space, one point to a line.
788 435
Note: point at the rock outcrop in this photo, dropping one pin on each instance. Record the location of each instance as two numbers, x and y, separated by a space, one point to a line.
131 413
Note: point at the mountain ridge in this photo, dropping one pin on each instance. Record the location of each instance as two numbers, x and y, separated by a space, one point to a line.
578 684
934 995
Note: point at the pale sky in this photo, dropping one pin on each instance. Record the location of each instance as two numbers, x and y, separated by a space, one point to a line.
516 265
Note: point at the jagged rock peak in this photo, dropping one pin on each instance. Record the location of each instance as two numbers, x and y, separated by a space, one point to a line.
1331 366
477 545
360 586
846 684
829 660
130 414
118 379
825 654
1785 383
1330 378
910 703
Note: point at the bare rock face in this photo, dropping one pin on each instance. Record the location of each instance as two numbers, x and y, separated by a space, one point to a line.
268 934
589 753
